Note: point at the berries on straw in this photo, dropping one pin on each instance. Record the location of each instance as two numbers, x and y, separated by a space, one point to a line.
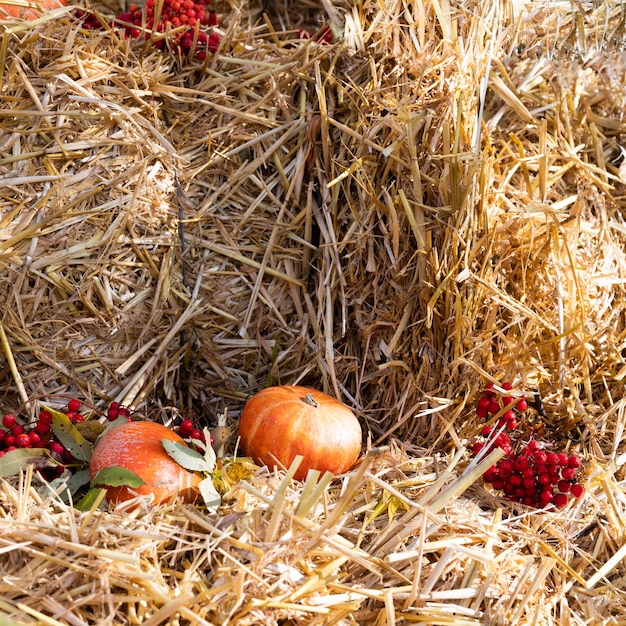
189 23
527 474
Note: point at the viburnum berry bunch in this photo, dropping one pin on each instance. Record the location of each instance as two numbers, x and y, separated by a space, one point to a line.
529 473
189 21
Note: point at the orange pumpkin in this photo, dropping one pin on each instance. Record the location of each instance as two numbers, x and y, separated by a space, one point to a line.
279 423
34 9
137 446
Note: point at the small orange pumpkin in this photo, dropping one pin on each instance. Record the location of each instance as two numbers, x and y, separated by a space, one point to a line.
137 446
34 9
279 423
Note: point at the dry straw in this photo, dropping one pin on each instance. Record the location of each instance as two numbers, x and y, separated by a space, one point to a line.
434 201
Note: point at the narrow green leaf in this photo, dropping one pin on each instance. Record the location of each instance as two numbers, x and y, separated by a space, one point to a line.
185 456
12 462
209 494
116 476
93 498
69 436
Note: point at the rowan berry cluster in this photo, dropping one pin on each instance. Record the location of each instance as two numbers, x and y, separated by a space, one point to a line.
529 473
15 434
39 434
188 18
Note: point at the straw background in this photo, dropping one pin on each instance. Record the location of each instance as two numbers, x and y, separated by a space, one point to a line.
435 201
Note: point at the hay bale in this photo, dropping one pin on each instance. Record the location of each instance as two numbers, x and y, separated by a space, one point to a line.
434 201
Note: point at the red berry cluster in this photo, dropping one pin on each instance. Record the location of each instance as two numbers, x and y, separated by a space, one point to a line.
527 474
174 14
15 435
115 410
191 15
187 430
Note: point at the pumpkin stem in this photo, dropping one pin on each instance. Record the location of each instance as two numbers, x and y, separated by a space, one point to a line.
310 400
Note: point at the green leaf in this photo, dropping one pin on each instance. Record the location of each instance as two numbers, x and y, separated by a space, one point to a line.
116 476
185 456
77 480
209 494
69 484
93 498
69 436
12 462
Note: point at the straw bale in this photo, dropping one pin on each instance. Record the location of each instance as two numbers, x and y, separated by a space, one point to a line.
434 201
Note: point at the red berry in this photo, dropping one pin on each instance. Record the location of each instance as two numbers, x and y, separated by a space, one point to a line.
508 400
186 427
521 405
506 467
41 428
45 417
18 429
491 474
56 447
34 437
560 499
9 440
552 458
564 486
544 479
521 463
515 479
574 461
498 484
507 385
563 459
482 413
112 414
22 440
545 497
541 458
476 447
486 431
577 490
529 483
509 489
502 440
533 446
494 406
511 423
8 421
73 405
568 473
483 403
195 434
3 434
